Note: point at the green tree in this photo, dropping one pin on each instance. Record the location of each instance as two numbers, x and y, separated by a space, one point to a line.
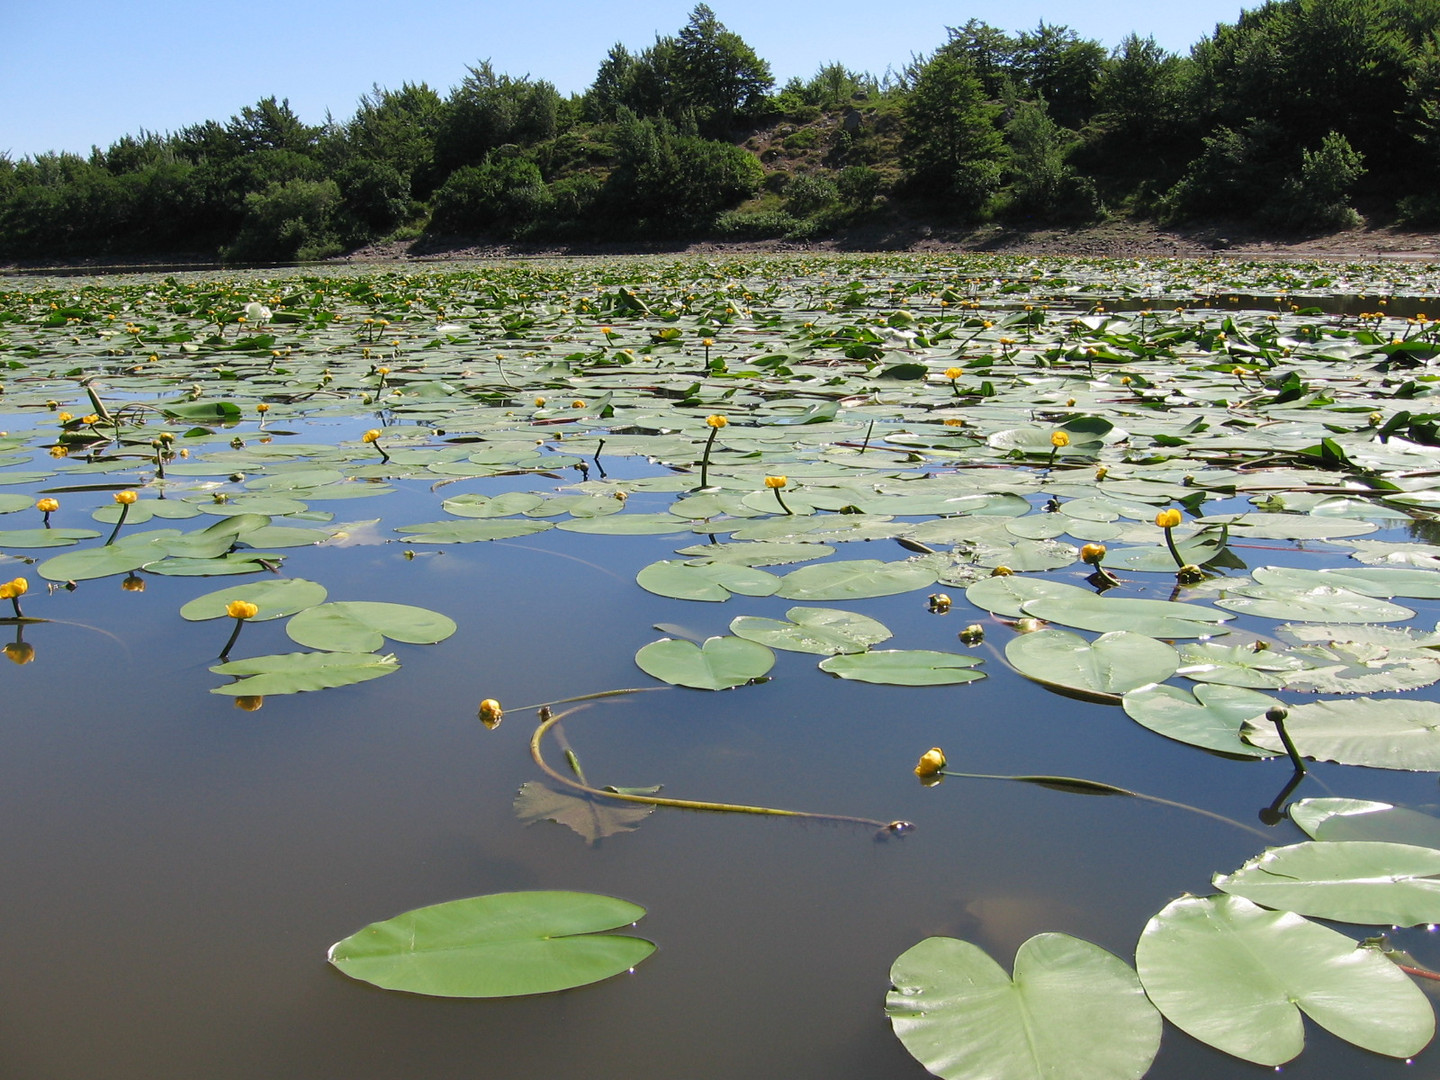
952 153
1043 186
398 128
505 193
290 220
722 80
488 110
1055 64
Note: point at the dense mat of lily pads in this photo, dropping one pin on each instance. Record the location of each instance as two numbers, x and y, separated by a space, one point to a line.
1002 423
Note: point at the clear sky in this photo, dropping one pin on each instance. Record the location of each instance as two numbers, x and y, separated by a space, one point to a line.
89 71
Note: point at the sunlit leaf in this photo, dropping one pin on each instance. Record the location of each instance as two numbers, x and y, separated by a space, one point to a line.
357 626
719 664
1238 977
501 945
1072 1009
904 667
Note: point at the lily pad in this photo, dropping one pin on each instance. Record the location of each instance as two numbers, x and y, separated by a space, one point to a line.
357 626
821 631
1362 819
1107 667
1210 718
293 673
715 582
855 579
501 945
1358 881
1156 618
1382 733
719 664
905 667
1072 1010
276 599
1238 977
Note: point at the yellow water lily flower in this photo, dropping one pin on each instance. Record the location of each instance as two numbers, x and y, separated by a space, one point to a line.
1059 439
47 506
716 421
126 498
491 713
1168 519
931 762
776 481
241 609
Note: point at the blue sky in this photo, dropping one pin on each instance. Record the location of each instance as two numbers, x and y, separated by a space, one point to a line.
95 70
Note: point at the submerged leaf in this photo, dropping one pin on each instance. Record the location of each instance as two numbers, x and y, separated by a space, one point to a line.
592 818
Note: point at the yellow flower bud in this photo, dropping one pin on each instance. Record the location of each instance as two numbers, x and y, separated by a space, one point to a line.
578 403
262 408
1092 554
491 713
126 498
48 506
954 373
1168 519
939 602
931 762
716 421
776 481
1001 571
371 435
1059 439
133 583
65 417
972 634
241 609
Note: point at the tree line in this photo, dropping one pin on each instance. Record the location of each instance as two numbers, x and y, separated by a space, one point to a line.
1289 118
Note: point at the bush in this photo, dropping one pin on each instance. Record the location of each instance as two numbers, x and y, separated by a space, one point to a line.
807 193
290 220
858 185
765 225
499 195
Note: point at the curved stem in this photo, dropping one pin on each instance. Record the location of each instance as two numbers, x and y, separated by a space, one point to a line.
685 804
234 634
124 513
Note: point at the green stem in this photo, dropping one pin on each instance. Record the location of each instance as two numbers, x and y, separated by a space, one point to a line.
1174 551
124 513
686 804
15 603
234 634
705 458
781 501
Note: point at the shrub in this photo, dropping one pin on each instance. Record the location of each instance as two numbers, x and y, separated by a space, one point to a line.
807 193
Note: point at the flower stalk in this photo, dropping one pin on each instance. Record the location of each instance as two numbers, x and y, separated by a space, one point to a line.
239 610
775 483
714 423
1167 520
126 499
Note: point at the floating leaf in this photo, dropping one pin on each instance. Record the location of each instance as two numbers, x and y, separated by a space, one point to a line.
592 818
1382 733
470 531
904 667
1107 667
1361 819
501 945
1005 594
1358 881
1321 603
1238 665
1237 977
719 664
276 599
293 673
1072 1010
1157 618
44 538
357 626
855 579
705 581
1210 718
821 631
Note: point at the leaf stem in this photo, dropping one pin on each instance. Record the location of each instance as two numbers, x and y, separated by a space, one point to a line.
548 722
